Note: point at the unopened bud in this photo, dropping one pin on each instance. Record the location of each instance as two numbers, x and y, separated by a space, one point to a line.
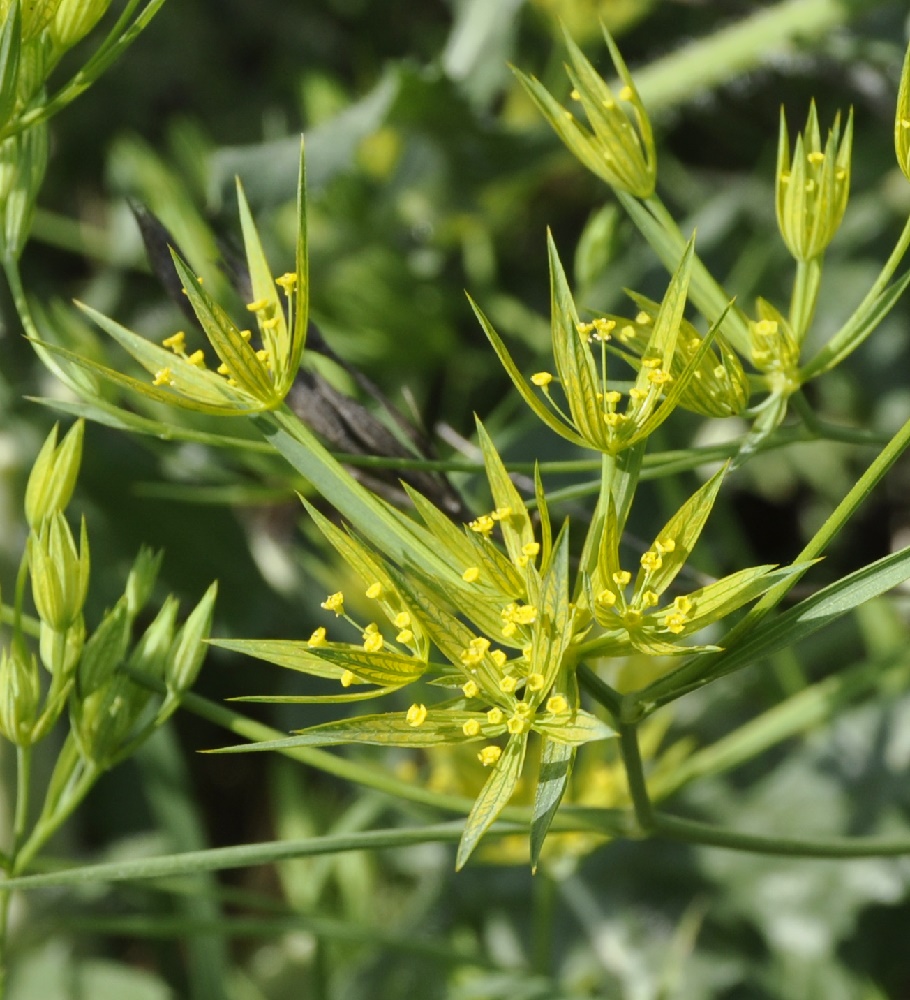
20 695
53 476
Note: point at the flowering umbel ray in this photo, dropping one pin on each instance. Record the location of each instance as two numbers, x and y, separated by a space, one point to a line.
599 415
253 368
493 634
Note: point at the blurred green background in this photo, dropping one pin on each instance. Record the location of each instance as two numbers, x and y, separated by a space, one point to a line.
431 174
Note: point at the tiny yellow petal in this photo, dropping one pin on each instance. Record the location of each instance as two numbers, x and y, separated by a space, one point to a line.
334 602
489 755
416 715
471 728
317 638
471 574
557 704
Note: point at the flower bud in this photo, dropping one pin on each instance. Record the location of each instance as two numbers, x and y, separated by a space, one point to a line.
53 476
902 119
75 19
36 15
813 189
59 572
17 207
20 694
141 581
773 346
104 651
188 649
618 145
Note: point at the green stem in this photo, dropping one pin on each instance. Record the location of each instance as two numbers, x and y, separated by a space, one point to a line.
708 835
805 296
23 788
47 826
828 355
635 775
599 690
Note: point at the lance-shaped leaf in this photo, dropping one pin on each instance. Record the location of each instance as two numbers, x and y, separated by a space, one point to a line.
493 798
724 596
238 357
527 392
573 727
438 728
556 760
516 526
681 532
581 383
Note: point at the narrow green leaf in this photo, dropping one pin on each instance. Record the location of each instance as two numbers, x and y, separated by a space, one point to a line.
683 530
275 339
224 335
439 728
556 760
516 527
528 394
574 727
368 515
813 613
553 632
10 47
384 668
855 330
721 598
580 381
290 653
315 699
493 798
543 510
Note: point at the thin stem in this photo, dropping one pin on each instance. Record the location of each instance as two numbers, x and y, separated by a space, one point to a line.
635 775
706 834
46 827
23 789
805 296
599 690
831 352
